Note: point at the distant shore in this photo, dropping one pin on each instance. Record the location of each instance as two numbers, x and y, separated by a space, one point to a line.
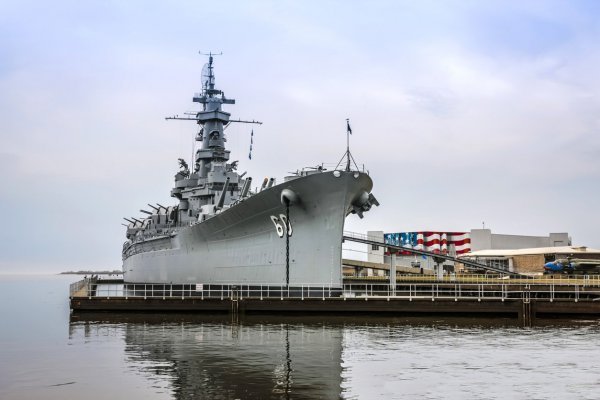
114 272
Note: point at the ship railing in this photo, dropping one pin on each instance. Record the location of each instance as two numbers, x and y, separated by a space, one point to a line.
333 166
403 290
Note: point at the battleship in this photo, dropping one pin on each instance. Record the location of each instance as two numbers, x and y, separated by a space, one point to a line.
222 232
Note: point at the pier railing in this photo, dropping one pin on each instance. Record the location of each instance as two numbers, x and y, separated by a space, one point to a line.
79 288
582 280
96 288
504 290
471 291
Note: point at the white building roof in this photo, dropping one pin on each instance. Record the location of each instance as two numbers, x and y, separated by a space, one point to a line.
533 251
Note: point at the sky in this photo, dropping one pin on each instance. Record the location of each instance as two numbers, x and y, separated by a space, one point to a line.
463 112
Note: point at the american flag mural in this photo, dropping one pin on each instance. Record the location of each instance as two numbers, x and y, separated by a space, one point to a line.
436 242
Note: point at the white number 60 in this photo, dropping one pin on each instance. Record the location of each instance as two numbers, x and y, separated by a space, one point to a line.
281 225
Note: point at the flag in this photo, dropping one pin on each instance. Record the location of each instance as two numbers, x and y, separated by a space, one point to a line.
251 142
349 129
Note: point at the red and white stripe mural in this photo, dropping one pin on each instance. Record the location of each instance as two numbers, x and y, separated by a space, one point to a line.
436 242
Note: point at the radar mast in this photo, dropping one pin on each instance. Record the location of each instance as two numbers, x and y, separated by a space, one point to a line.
212 120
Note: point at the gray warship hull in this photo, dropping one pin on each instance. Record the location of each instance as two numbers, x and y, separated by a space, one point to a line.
223 233
241 245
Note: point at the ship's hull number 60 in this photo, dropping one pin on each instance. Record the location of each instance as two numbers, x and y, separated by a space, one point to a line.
281 224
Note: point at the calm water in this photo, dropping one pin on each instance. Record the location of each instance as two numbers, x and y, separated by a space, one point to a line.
46 353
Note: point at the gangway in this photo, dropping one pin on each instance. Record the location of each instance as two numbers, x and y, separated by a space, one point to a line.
361 238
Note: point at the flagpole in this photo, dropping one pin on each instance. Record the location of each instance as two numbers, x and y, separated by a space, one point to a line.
348 144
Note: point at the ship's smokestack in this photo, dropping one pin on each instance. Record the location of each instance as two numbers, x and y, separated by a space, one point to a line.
222 198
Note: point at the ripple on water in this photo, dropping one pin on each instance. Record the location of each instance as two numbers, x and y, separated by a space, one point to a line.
47 353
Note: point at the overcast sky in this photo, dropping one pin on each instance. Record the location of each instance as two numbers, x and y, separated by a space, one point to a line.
462 111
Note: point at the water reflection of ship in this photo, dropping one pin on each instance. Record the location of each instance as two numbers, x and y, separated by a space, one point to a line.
211 357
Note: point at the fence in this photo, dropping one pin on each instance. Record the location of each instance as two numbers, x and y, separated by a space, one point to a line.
581 280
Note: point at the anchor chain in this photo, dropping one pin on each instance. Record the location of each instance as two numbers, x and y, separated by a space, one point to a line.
287 244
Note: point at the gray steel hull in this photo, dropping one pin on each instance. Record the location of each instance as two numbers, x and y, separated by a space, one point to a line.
241 244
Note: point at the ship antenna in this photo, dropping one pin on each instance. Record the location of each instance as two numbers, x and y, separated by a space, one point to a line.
208 90
208 77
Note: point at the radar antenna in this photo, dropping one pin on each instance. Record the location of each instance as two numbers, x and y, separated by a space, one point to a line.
208 90
212 121
208 77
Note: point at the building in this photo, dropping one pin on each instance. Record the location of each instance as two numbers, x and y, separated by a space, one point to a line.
530 261
484 239
456 244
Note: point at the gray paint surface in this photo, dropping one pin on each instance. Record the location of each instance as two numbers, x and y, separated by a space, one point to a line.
241 245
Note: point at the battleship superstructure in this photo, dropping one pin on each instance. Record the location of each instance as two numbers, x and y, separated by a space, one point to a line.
223 232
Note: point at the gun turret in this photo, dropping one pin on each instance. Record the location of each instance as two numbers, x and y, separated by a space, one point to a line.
246 187
264 184
222 197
